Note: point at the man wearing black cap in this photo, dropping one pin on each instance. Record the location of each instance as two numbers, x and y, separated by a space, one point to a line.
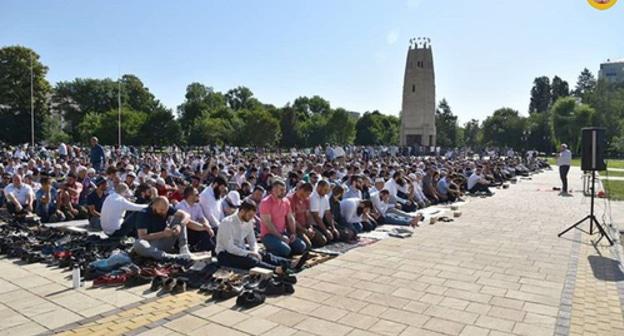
94 202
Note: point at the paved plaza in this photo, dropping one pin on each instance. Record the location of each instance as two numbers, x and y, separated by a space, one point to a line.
499 269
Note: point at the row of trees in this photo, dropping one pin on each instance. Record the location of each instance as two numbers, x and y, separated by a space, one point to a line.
556 115
72 111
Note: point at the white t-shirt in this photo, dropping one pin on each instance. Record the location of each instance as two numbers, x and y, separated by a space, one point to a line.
319 204
473 180
21 193
565 158
348 210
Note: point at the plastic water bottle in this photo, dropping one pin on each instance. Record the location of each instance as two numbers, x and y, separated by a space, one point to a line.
76 276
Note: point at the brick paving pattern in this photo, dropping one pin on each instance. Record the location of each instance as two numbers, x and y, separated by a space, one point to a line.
499 269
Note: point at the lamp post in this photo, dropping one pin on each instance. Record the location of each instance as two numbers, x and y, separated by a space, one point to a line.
32 104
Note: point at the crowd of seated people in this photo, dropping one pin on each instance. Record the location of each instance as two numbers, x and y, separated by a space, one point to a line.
224 200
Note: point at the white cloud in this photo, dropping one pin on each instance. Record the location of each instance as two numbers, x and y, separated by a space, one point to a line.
393 36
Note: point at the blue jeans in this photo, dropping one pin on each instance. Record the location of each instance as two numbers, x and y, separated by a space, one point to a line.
278 247
396 219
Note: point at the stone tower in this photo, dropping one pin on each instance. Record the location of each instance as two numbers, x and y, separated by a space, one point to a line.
419 102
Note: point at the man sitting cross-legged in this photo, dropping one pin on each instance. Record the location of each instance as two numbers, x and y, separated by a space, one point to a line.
236 242
19 196
277 223
200 234
157 235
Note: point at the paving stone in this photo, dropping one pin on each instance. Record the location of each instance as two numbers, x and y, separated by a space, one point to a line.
323 328
444 326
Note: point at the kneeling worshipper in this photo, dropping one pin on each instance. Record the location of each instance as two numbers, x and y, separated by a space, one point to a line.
236 243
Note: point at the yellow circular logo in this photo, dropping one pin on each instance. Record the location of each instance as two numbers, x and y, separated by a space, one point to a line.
602 4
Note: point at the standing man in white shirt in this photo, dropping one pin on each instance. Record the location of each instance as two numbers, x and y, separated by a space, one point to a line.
563 161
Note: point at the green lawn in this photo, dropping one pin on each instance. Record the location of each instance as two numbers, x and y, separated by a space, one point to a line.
610 164
615 190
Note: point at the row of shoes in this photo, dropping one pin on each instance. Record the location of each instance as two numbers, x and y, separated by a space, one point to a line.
250 290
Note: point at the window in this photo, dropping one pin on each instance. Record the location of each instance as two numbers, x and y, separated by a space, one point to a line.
413 88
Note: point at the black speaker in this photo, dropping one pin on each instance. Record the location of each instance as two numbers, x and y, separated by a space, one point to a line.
593 148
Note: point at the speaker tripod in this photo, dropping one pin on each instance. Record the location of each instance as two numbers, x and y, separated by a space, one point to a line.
591 217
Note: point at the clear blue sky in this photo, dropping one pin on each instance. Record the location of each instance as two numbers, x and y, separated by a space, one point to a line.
351 52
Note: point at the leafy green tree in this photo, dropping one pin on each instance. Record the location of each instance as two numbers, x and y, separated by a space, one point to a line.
308 106
585 84
314 130
560 88
241 98
200 102
504 128
15 98
260 129
541 96
160 128
568 118
90 125
105 126
538 132
340 127
375 129
211 131
74 99
446 125
472 133
291 128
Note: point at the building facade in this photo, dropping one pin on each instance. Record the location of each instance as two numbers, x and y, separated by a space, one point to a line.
612 71
419 101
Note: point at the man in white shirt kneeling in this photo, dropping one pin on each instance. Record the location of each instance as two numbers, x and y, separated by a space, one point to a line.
236 242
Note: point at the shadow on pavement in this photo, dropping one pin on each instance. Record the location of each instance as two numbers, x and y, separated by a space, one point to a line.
606 269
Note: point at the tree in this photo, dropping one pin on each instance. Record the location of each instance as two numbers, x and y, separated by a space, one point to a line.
211 131
560 88
472 133
541 97
73 100
160 128
314 105
568 118
260 129
585 84
241 98
291 128
446 125
15 97
539 134
104 126
504 128
200 102
340 127
376 129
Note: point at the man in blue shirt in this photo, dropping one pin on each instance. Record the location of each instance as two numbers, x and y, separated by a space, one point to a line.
98 157
45 201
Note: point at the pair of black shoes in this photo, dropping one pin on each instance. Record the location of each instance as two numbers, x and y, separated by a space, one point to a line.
168 285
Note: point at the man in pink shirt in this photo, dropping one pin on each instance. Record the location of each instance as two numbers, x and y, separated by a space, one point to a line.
277 224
